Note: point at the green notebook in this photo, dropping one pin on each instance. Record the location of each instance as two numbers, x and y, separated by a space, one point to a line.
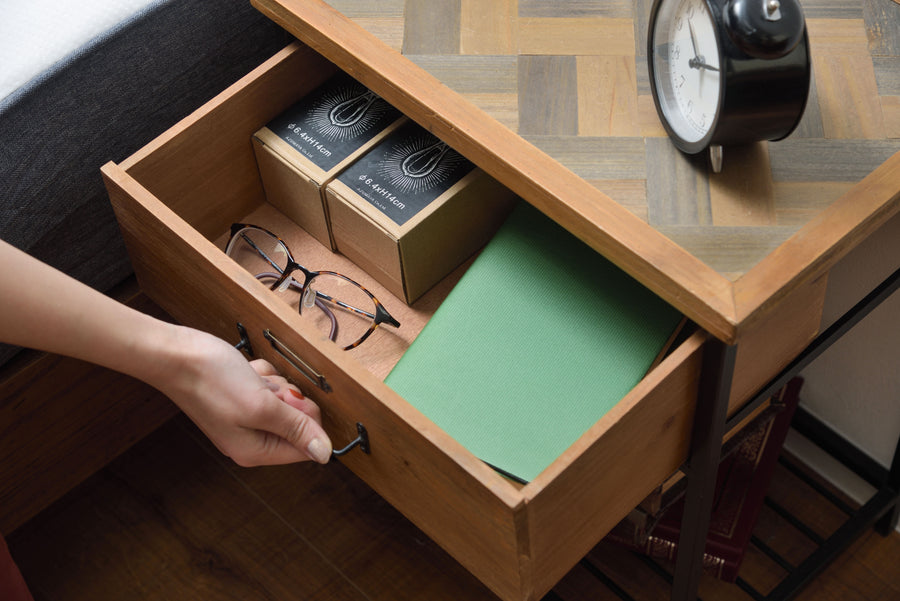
537 341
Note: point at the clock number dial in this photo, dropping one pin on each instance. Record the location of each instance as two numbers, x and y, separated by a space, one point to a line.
686 67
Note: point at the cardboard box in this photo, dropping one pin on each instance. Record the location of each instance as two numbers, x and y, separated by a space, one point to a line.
412 209
302 149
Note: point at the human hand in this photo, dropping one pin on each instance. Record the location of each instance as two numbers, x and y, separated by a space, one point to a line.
250 412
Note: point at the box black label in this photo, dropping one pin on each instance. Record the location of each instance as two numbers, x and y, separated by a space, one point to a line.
405 172
333 121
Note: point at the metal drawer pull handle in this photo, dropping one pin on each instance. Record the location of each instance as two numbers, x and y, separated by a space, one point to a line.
299 364
244 344
361 441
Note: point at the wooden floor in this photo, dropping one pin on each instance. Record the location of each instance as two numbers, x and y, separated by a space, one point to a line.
173 520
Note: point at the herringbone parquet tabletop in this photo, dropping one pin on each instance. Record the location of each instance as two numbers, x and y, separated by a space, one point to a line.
570 77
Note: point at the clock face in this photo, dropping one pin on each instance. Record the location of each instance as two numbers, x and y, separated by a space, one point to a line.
686 67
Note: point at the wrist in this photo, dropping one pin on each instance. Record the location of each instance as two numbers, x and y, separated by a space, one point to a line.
162 354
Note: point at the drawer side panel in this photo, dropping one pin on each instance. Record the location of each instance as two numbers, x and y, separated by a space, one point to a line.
206 161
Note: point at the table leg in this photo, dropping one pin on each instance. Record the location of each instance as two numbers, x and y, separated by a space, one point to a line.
703 465
888 522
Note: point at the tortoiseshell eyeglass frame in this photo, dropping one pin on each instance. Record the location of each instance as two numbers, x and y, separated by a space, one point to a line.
381 315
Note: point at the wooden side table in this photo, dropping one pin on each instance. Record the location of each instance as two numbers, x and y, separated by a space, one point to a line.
572 80
757 311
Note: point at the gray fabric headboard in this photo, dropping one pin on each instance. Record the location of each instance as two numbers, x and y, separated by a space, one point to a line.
103 104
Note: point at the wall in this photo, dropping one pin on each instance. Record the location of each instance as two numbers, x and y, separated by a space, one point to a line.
854 387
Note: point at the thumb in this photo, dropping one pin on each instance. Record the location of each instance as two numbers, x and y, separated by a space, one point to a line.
299 429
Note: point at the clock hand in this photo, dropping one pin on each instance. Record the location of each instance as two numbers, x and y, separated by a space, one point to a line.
694 40
698 63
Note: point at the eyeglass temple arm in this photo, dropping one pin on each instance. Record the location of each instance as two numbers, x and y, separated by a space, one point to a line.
381 315
334 323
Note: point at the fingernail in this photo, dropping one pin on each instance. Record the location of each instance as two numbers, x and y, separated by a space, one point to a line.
297 393
319 450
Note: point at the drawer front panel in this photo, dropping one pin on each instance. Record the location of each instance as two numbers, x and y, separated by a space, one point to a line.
622 459
450 495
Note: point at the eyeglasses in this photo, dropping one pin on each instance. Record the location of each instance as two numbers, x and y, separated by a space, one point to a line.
341 309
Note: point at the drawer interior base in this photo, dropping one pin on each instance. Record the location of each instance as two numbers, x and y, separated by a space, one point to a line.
381 351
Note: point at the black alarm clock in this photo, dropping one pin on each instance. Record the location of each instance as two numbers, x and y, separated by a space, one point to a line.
727 72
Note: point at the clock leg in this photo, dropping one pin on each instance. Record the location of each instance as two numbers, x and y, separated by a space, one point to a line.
715 158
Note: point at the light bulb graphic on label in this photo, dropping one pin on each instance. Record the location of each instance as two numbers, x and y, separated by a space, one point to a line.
422 163
349 112
419 163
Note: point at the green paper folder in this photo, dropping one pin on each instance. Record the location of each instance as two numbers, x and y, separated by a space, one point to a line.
538 340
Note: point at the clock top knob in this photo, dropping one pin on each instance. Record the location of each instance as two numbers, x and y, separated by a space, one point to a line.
766 29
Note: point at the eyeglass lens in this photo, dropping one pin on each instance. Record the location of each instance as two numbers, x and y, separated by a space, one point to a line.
338 307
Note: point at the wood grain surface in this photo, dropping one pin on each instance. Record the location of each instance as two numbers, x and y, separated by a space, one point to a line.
62 419
173 519
571 78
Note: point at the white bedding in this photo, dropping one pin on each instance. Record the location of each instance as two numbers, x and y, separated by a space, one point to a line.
35 35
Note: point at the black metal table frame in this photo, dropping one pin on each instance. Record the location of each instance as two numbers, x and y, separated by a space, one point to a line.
710 425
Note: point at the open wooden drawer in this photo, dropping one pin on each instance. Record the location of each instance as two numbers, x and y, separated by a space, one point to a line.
175 200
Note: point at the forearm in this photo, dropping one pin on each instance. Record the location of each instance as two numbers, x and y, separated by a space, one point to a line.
45 309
